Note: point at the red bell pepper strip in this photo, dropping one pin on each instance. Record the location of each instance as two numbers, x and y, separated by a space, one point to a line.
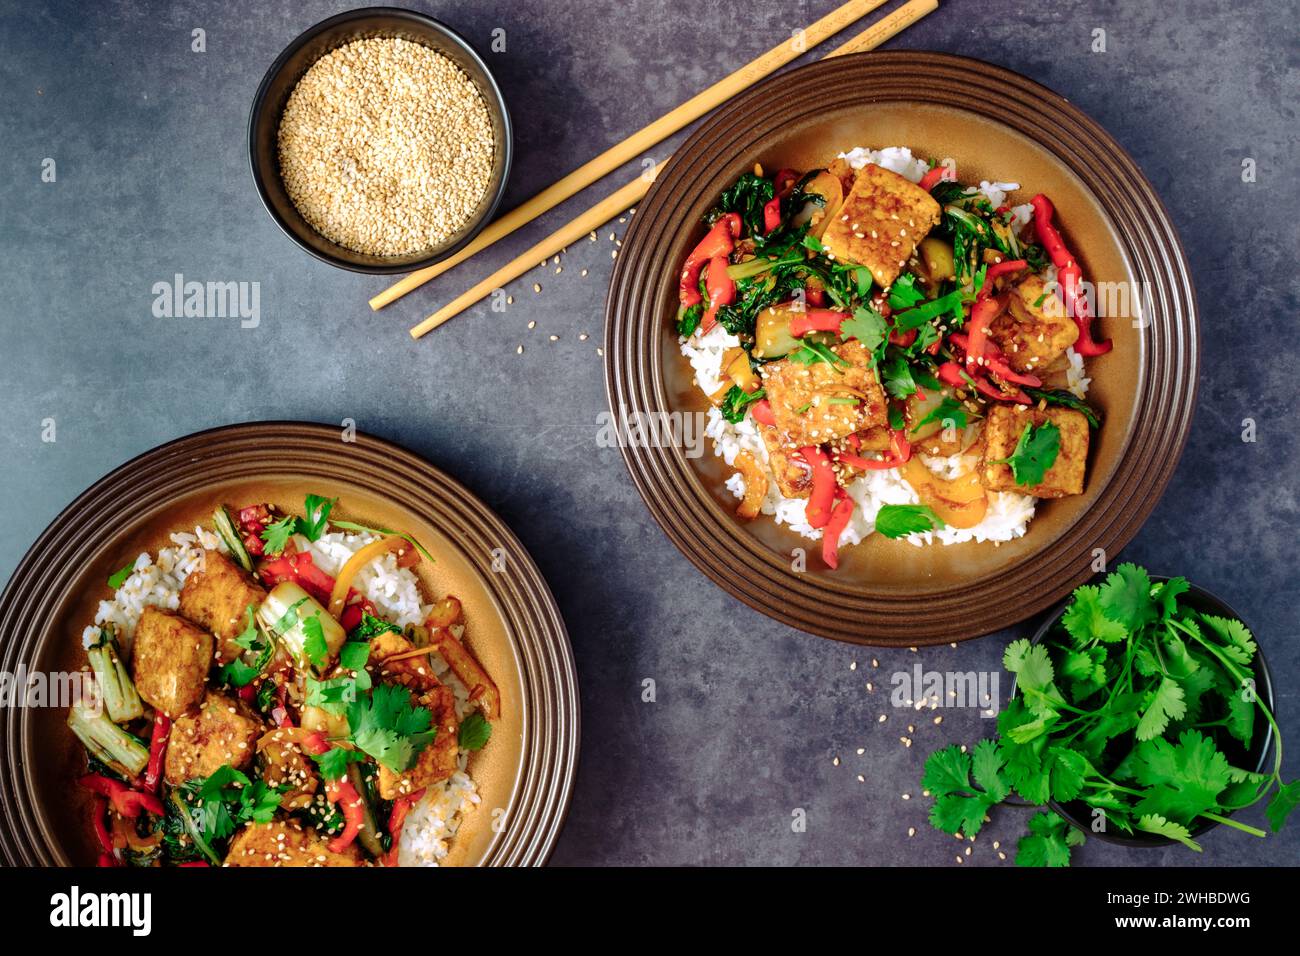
816 297
718 241
761 412
984 312
818 511
315 743
722 291
771 214
98 810
162 728
900 452
902 339
107 860
933 177
953 374
816 320
127 802
999 269
834 528
354 814
302 570
254 517
1069 275
996 362
396 819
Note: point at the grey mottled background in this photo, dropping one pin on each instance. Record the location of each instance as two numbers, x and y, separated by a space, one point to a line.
153 180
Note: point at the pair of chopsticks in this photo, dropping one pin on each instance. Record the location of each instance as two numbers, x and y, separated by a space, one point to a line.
632 147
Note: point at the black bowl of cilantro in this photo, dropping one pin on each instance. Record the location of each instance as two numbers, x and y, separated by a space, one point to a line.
1161 684
1141 714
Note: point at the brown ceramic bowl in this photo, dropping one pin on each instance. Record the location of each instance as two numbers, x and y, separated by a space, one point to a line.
997 125
524 774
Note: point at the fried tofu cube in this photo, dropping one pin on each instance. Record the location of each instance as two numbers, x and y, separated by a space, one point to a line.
792 476
1033 331
436 762
883 220
1002 430
414 673
217 596
222 732
170 658
284 764
286 843
824 401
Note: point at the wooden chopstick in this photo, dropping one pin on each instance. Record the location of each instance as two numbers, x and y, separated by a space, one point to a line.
638 143
609 207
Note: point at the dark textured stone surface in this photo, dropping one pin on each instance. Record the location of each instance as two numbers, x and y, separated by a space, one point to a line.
152 180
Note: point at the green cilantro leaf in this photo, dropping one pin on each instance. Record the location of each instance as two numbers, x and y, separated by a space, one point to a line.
1085 622
1238 644
314 645
474 732
277 534
1284 801
1126 597
896 376
312 524
1035 453
866 325
1154 823
949 413
334 762
904 294
897 521
1166 704
1049 841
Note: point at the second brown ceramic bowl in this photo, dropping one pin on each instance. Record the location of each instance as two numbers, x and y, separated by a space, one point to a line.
524 774
997 125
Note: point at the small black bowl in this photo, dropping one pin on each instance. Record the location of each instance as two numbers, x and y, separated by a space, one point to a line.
1254 757
288 69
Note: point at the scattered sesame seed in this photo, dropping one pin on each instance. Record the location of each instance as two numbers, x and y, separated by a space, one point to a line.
537 287
519 350
532 324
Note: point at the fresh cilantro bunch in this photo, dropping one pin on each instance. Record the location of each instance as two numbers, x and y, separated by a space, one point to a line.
1128 707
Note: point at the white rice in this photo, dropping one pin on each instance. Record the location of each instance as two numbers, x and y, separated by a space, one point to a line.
395 593
1008 513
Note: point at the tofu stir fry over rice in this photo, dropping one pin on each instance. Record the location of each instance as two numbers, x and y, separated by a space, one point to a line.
273 691
889 350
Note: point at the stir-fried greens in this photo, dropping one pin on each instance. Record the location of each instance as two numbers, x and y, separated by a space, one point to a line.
276 717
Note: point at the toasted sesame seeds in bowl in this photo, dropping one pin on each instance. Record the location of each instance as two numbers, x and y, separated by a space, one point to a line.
379 141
